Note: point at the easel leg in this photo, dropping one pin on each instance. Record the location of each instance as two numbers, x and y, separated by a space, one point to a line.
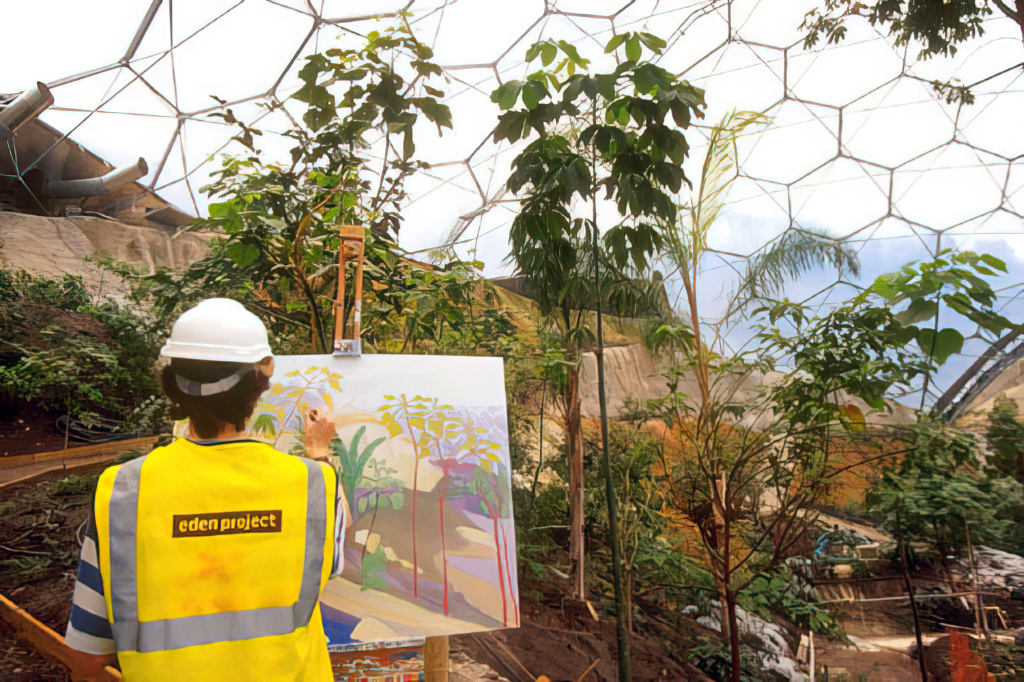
435 659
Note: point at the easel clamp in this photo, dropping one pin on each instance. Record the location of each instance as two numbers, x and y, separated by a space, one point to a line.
351 247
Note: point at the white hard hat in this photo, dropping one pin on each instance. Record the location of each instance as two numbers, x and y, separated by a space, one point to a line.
218 329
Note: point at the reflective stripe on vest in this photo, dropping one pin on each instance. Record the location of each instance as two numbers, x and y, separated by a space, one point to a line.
130 634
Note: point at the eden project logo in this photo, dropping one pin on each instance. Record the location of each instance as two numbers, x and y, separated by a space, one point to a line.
226 523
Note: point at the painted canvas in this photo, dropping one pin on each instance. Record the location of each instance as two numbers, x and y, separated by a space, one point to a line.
422 455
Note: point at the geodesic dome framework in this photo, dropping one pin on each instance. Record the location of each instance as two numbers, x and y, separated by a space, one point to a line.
860 146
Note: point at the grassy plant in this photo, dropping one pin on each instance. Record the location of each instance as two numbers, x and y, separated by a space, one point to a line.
72 485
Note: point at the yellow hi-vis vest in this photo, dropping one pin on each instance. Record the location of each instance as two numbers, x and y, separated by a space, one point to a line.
213 558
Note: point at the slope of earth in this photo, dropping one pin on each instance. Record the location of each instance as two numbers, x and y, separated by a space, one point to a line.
53 247
560 640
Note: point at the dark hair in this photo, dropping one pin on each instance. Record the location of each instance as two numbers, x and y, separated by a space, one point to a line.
207 413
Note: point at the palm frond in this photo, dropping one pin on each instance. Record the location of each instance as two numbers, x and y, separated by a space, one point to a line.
793 254
687 242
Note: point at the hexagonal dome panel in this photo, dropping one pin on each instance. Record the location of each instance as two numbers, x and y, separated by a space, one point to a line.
739 76
801 138
896 123
984 124
841 197
947 187
837 76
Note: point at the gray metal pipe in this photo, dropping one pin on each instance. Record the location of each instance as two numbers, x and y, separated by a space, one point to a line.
26 107
87 187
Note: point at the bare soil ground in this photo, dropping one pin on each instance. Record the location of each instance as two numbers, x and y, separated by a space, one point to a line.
26 429
563 642
40 527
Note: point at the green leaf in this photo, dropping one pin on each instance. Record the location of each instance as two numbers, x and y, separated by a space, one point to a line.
886 286
993 262
222 209
614 43
533 92
408 147
547 53
505 95
633 49
920 309
242 254
653 42
940 346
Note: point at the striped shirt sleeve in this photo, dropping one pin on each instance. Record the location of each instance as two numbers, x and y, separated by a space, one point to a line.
88 628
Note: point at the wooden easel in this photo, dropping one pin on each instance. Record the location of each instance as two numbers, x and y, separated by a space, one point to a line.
353 248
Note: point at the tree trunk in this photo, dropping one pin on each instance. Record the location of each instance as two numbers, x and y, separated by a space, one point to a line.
629 599
574 439
734 636
901 546
730 631
540 446
373 520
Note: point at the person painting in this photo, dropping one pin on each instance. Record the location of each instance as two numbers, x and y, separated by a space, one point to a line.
204 560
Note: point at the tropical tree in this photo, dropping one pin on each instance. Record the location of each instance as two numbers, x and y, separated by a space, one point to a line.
1005 434
275 224
620 132
940 493
704 423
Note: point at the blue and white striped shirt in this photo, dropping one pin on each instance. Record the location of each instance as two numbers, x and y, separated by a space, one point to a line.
88 627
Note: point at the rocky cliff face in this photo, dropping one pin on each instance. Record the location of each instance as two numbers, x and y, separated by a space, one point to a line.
49 246
630 374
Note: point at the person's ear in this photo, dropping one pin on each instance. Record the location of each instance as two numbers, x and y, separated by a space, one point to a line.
266 367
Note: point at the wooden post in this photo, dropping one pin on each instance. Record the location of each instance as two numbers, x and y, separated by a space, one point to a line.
810 655
435 659
902 548
980 621
351 247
